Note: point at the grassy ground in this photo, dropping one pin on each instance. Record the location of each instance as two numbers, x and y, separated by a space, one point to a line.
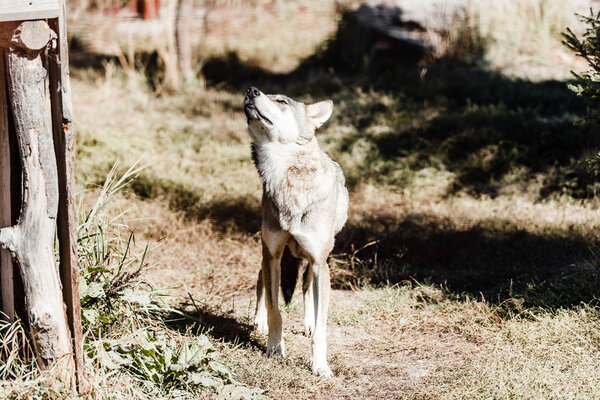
468 267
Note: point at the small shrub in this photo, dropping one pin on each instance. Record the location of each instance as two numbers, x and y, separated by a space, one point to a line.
588 83
111 288
168 365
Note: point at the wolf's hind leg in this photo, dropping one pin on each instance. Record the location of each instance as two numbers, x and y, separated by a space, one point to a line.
321 288
260 316
309 308
271 273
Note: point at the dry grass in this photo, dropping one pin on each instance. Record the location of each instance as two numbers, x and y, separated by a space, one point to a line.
524 37
415 341
455 293
268 30
470 349
162 138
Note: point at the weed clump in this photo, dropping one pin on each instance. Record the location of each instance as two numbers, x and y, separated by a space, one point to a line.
127 318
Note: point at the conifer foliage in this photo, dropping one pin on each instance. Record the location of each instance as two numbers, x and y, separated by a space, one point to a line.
588 46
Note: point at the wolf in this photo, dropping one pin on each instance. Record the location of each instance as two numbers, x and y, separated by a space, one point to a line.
304 205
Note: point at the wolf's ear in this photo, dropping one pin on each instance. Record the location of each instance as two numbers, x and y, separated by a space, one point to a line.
319 112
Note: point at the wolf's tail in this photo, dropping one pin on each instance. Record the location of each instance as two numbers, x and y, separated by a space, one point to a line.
289 274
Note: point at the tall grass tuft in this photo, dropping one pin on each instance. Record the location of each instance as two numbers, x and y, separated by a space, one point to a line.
127 320
17 358
112 289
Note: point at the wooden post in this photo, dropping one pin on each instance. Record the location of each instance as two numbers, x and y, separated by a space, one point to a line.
185 8
31 241
41 185
6 264
133 6
23 10
150 9
62 124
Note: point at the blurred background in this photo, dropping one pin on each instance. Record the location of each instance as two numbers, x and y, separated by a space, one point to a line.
520 38
468 267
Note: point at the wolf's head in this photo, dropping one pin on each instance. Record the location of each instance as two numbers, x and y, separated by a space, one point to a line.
275 117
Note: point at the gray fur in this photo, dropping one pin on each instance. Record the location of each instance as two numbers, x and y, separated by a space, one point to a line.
305 203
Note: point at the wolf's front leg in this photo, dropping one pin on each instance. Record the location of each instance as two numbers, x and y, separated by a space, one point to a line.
260 316
271 271
321 287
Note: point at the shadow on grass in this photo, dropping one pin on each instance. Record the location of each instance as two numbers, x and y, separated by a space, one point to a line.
494 259
486 147
401 115
215 323
495 134
231 214
403 111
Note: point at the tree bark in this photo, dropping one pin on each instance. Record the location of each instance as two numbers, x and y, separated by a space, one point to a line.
31 241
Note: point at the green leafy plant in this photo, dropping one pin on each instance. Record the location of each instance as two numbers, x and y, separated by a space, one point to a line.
152 357
111 271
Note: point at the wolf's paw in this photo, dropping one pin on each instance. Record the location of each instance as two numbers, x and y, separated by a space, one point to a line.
261 324
322 371
275 350
309 327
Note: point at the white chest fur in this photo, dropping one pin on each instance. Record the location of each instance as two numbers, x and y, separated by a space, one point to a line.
293 176
274 159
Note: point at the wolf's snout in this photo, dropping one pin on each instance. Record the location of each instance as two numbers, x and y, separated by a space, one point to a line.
252 92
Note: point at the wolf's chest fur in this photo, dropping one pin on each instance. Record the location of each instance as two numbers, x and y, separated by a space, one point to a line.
295 177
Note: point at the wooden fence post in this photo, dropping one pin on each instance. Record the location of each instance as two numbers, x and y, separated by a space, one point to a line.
6 264
36 49
62 122
31 241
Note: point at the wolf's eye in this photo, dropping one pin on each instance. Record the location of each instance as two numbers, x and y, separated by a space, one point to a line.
281 101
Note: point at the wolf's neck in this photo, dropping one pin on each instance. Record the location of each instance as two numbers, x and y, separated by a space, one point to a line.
274 159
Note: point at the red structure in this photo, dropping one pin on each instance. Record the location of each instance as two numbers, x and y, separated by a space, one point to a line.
146 9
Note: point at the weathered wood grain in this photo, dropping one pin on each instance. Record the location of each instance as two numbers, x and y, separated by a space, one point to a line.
31 241
6 264
62 127
21 10
30 35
